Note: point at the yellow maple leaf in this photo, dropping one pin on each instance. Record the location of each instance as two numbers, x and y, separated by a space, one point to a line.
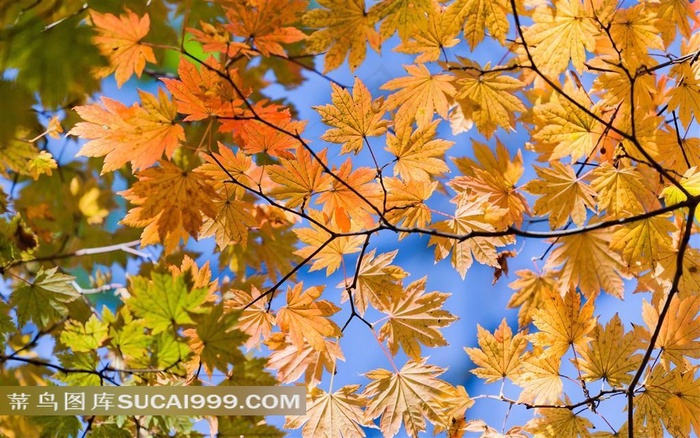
622 190
306 319
539 377
378 282
474 17
572 131
331 255
404 16
612 354
588 263
343 29
561 33
635 33
430 38
420 95
488 98
691 183
495 175
254 320
531 288
170 204
415 318
405 202
685 96
119 39
498 355
291 362
641 242
418 155
354 117
564 194
678 337
563 323
469 216
332 415
555 423
409 395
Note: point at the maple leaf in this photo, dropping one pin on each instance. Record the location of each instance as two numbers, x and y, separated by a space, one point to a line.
428 39
354 117
418 155
415 318
559 34
138 134
495 175
554 422
333 415
691 183
43 300
678 337
563 193
215 338
203 93
488 98
265 23
539 377
685 96
291 362
402 16
531 288
405 202
588 263
344 28
333 250
170 204
407 395
475 16
119 39
469 217
345 205
164 301
305 318
419 95
378 282
84 337
621 190
254 320
611 355
299 178
572 131
498 355
563 323
635 33
641 242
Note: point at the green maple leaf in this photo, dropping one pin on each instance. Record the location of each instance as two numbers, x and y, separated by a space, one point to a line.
164 301
44 300
58 426
83 368
216 339
84 337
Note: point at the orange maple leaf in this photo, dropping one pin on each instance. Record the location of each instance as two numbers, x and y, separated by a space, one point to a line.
170 204
119 39
137 134
265 23
306 319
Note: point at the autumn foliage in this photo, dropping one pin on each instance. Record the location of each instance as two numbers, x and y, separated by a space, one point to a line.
514 122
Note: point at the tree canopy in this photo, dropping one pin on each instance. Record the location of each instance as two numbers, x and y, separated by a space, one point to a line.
165 204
